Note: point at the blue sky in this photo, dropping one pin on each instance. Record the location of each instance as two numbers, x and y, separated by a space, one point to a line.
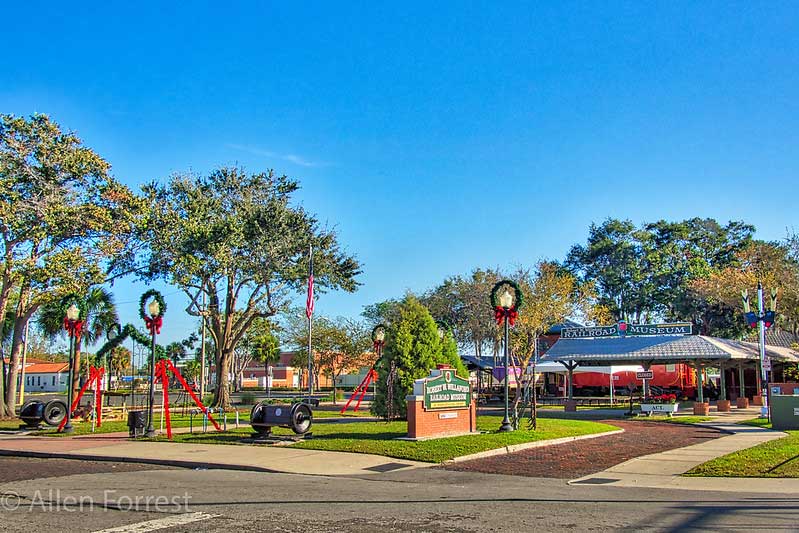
435 140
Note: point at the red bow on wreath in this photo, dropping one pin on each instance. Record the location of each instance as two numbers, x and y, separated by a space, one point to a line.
501 312
154 324
74 328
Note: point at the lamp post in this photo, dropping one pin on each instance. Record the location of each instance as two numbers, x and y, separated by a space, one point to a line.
74 326
156 308
762 320
505 305
378 341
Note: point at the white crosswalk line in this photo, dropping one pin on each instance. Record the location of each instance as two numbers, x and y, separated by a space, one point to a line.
160 523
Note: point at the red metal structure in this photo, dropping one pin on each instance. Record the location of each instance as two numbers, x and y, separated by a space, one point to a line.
162 369
361 390
96 378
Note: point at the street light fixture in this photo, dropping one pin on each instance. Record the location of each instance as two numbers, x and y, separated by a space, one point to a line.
156 309
506 307
378 341
74 327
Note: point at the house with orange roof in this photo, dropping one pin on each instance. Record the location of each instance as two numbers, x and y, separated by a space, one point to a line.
46 377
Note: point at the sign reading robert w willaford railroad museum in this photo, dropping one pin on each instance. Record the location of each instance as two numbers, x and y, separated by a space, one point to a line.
622 329
447 391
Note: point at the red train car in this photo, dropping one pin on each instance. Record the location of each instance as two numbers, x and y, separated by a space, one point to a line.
673 378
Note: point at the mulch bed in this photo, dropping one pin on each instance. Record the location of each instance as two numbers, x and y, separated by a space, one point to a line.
583 457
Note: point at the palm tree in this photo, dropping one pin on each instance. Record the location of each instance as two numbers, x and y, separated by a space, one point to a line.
101 314
119 362
266 349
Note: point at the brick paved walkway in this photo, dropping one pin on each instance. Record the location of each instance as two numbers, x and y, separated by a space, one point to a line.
580 458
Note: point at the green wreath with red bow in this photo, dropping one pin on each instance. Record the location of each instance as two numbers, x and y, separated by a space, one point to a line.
153 323
511 313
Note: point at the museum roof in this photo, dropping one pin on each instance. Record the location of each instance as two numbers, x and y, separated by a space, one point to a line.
658 349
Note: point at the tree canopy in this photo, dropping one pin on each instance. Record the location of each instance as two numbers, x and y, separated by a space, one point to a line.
65 223
236 237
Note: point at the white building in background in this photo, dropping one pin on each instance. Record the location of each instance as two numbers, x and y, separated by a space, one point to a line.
46 377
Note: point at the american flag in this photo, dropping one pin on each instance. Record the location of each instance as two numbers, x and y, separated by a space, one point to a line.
310 302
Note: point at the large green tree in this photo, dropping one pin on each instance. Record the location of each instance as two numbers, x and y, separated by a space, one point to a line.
645 273
238 238
414 347
461 302
64 222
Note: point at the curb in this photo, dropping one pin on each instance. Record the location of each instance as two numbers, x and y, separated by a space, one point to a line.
141 460
529 445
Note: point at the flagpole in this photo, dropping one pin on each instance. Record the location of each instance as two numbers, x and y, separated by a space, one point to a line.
309 313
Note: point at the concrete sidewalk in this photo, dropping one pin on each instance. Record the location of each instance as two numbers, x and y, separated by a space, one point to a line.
664 470
117 447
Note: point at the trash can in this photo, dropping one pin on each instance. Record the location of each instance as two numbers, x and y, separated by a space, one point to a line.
137 420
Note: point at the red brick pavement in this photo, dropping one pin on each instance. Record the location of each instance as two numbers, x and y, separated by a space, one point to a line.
583 457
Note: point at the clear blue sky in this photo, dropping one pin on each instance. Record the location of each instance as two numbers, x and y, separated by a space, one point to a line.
438 140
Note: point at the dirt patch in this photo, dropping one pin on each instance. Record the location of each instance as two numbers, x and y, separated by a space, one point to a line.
580 458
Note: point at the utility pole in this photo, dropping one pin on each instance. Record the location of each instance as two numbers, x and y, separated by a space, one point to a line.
761 334
202 349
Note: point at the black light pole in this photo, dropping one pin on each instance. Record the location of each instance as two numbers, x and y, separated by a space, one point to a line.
506 425
378 341
74 326
154 325
505 305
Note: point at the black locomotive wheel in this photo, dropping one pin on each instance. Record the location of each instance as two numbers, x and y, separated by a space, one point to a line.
54 412
301 418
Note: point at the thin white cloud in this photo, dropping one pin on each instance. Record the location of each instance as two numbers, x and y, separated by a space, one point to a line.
291 158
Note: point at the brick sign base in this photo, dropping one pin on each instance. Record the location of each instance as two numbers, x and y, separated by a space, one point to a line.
439 423
442 404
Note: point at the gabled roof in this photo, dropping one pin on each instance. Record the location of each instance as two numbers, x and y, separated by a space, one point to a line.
784 339
46 368
658 349
478 362
557 328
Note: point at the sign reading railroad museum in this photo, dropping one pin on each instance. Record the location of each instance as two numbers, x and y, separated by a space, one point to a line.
622 329
446 391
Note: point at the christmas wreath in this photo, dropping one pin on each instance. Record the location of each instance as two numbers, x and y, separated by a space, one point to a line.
153 323
500 312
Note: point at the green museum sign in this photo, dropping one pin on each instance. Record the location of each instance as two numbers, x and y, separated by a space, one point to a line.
622 329
447 391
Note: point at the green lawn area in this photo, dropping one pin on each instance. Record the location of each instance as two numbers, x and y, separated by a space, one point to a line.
776 458
12 423
380 438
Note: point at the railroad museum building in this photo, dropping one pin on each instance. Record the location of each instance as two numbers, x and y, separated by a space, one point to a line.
608 359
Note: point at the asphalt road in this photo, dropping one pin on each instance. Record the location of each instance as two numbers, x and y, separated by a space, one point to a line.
83 497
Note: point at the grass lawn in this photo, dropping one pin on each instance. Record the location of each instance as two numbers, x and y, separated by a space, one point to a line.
776 458
380 438
12 423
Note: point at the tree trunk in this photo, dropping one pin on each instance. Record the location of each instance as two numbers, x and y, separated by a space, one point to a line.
76 370
334 389
222 393
15 360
